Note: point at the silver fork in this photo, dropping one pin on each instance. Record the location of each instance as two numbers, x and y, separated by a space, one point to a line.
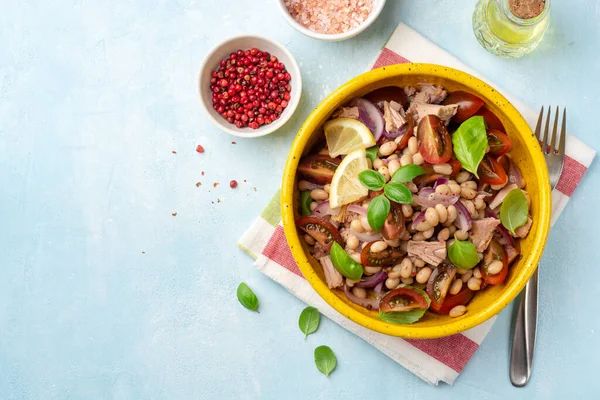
523 344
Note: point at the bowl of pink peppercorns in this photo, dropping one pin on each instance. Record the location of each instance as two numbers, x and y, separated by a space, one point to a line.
250 86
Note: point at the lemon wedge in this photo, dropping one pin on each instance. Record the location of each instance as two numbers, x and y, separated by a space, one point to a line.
345 185
345 135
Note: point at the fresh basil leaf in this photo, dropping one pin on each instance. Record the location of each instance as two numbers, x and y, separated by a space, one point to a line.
463 254
406 317
344 263
514 210
407 173
325 360
377 212
309 320
469 143
372 180
372 153
305 201
398 192
246 297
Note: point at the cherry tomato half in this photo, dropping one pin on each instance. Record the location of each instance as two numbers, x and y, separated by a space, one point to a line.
388 256
468 105
428 177
318 169
402 299
459 299
393 226
388 93
435 144
320 229
491 121
495 251
410 129
456 166
491 172
499 142
439 283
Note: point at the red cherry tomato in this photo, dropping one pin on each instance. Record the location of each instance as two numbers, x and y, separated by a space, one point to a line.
491 172
439 283
495 251
388 256
459 299
491 120
402 299
435 144
320 229
388 93
468 105
499 142
409 132
393 226
318 169
456 166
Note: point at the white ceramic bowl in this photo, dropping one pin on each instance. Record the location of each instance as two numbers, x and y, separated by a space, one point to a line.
222 51
377 7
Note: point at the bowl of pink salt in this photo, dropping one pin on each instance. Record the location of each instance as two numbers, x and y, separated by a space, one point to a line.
331 20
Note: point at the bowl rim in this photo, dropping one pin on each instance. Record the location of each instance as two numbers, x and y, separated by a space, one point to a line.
288 187
377 8
292 105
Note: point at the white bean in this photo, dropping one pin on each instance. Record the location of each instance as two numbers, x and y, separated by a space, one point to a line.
359 292
355 257
394 274
412 187
423 226
371 270
406 159
457 311
392 157
463 176
469 206
418 263
350 282
455 287
303 185
452 213
443 235
495 267
418 159
387 148
443 189
385 172
418 237
452 229
327 188
474 284
352 242
477 272
393 166
461 271
481 214
428 233
406 267
393 243
313 205
378 246
432 216
319 194
405 151
407 210
408 281
356 226
309 239
378 163
444 168
423 275
413 146
468 193
442 213
365 222
466 276
461 235
479 203
469 184
454 188
392 283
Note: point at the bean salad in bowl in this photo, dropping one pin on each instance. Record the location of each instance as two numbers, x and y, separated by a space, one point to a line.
412 203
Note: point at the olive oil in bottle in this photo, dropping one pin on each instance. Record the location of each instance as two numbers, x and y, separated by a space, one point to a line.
510 28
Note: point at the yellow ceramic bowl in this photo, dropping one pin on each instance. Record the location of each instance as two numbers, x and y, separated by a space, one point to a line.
525 151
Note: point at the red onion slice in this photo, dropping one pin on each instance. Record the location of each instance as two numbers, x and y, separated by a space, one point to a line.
365 237
420 218
429 198
357 209
378 290
440 181
514 174
369 304
324 209
369 115
463 219
373 280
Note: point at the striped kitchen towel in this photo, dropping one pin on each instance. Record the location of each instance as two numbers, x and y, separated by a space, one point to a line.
433 360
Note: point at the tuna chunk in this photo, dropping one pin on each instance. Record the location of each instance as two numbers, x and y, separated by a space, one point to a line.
393 119
501 195
410 92
482 232
431 94
347 112
442 112
320 251
431 252
333 278
523 231
512 253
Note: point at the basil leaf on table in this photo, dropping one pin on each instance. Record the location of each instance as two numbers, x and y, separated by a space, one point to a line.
372 180
305 201
377 212
309 320
325 360
463 254
246 297
469 143
514 210
406 317
372 153
398 192
344 263
407 173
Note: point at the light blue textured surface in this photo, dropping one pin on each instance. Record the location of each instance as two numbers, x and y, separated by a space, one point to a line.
94 97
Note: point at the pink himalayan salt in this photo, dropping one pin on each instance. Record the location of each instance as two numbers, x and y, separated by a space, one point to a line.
329 16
